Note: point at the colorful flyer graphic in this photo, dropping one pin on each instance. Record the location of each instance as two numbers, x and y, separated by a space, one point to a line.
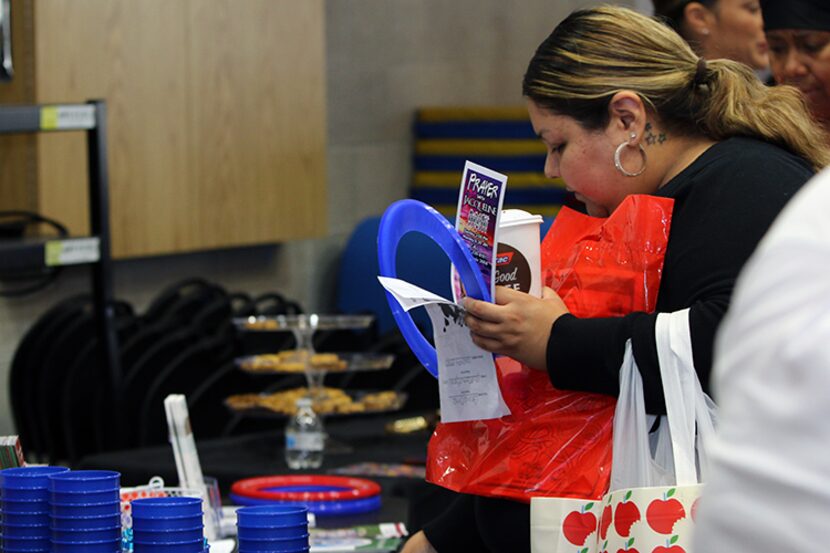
477 219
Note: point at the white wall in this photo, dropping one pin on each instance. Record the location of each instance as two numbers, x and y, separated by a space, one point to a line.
385 58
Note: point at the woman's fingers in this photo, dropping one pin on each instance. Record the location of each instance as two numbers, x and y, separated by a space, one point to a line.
482 327
482 310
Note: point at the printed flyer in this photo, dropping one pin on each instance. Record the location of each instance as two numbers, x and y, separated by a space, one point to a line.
477 220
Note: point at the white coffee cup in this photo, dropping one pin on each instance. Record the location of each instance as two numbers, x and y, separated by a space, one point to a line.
518 258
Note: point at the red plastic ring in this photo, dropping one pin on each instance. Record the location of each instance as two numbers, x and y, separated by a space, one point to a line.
354 488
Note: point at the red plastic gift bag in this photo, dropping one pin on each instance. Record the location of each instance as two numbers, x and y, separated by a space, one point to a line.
557 443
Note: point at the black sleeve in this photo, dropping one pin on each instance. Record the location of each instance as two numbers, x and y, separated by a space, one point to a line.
718 220
456 529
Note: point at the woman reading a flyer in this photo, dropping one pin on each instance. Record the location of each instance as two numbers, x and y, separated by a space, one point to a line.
624 106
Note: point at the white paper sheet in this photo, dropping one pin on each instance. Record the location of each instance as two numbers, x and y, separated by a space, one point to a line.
468 387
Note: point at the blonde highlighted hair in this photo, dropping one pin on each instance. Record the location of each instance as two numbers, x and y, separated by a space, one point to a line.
597 52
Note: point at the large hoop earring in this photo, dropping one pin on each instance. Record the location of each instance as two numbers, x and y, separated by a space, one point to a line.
618 161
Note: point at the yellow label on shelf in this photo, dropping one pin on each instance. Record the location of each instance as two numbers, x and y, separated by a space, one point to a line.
49 118
71 251
67 117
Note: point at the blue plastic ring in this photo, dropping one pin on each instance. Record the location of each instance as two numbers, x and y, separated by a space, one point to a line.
322 508
413 216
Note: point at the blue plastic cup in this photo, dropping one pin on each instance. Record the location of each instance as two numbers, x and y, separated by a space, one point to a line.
195 546
38 549
86 547
165 507
267 532
170 523
84 481
97 496
26 518
271 515
26 530
24 506
169 536
27 477
273 545
98 522
25 544
87 535
85 509
23 494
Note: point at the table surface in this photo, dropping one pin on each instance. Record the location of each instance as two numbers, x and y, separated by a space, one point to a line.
356 439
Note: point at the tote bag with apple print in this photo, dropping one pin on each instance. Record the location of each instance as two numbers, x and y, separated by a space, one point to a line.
656 479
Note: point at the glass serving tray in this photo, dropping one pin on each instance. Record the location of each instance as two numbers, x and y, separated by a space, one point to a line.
300 361
326 402
307 321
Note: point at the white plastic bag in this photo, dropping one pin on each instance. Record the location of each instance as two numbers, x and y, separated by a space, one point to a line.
656 479
640 459
674 454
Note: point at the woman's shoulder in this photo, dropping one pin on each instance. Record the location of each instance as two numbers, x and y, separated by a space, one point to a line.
742 165
750 156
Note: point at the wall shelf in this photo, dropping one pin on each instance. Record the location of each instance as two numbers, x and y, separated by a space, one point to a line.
31 254
94 249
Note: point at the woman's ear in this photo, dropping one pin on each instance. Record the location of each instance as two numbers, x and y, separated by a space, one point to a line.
697 21
627 114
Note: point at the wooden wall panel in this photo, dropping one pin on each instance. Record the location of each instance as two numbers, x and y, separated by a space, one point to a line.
258 113
131 54
216 118
18 159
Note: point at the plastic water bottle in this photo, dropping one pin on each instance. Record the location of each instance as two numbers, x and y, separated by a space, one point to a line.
304 438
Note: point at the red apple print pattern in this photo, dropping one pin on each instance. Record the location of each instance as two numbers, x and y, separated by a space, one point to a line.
669 548
625 515
662 514
694 509
578 525
605 521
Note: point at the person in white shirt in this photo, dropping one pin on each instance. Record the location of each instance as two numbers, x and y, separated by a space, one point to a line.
769 485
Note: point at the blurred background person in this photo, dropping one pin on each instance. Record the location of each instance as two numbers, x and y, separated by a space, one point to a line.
731 29
769 481
798 32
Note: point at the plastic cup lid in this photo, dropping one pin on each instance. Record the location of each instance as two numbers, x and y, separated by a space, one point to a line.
513 217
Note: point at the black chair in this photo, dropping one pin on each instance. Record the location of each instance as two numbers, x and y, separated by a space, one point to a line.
87 404
183 375
173 309
25 375
165 352
67 348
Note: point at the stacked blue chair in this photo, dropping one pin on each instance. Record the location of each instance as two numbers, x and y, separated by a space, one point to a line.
499 138
85 510
168 525
25 508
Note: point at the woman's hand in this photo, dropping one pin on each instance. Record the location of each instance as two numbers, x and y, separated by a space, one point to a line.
418 543
517 325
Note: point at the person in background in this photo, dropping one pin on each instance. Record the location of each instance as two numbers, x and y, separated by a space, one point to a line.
769 477
624 106
731 29
798 32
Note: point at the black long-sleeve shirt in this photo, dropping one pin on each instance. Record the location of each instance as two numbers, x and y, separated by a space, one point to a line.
724 202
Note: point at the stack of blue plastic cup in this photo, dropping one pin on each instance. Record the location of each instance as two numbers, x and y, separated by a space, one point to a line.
272 528
85 508
25 508
168 525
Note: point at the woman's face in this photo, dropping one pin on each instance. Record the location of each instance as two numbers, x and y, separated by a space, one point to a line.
584 159
737 33
802 59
